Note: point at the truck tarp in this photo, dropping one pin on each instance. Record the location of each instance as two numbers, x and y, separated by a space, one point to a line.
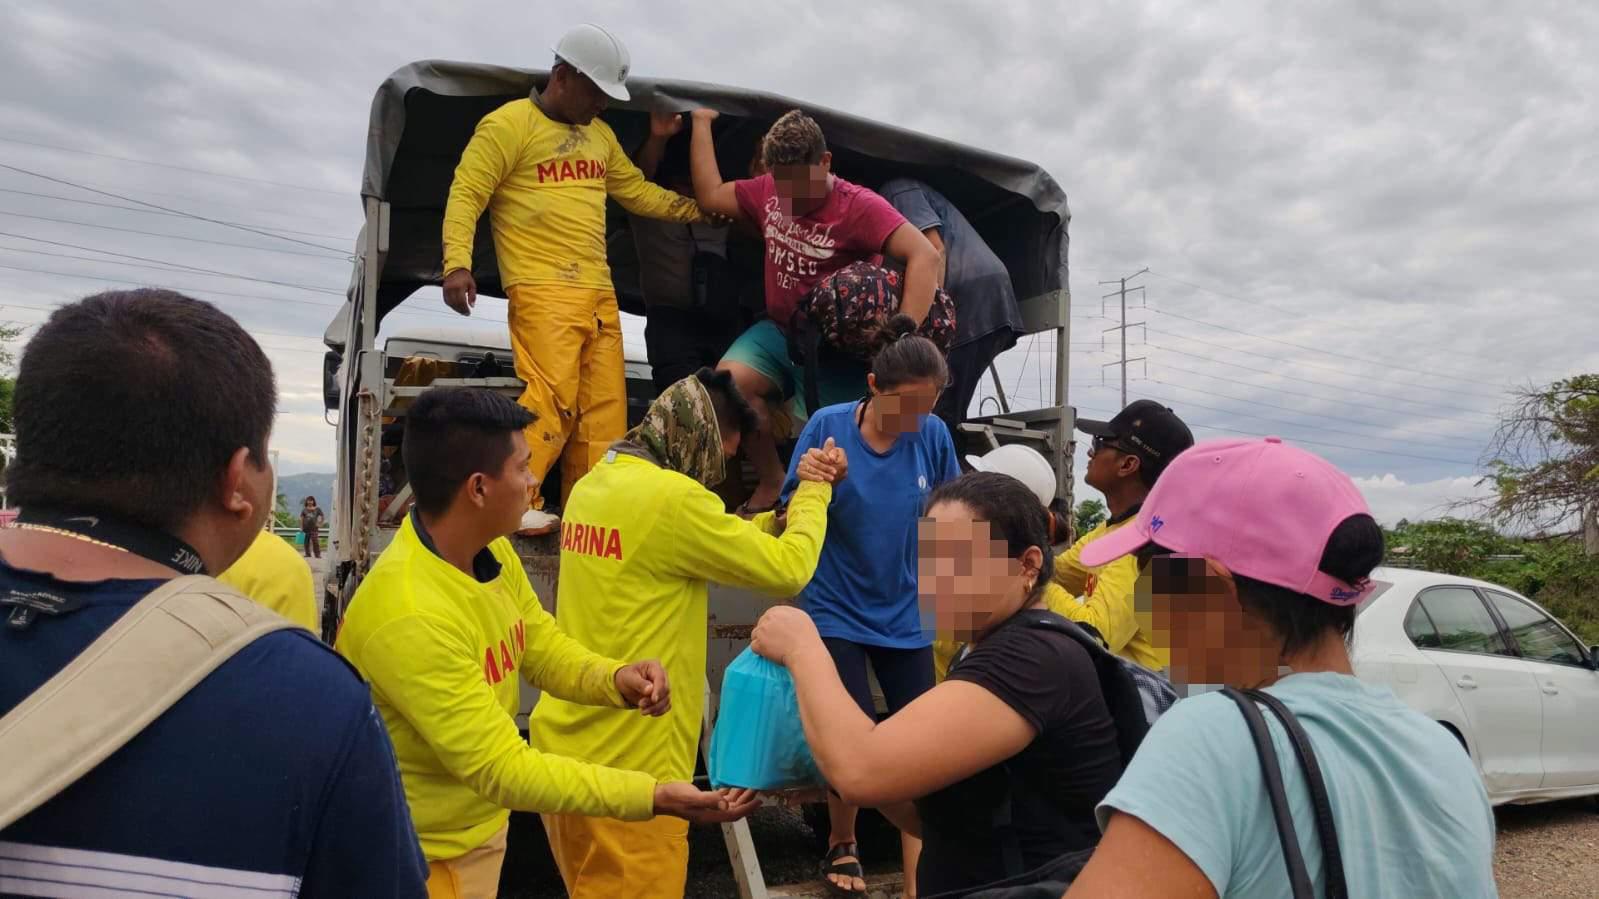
424 114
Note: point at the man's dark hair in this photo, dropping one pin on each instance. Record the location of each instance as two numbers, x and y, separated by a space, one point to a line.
1012 511
130 404
452 433
1353 549
733 412
794 139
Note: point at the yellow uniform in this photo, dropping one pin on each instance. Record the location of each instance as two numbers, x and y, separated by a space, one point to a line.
1108 601
638 544
544 184
443 652
273 574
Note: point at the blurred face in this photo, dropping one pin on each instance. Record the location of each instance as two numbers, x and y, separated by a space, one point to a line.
900 409
731 443
1193 607
504 496
802 188
965 575
580 100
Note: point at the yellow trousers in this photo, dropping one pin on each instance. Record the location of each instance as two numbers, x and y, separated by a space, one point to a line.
568 347
475 875
601 858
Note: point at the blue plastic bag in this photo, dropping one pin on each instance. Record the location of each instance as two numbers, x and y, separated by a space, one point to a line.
758 742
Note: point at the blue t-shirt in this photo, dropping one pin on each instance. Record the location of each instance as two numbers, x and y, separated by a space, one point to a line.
864 589
1412 816
273 777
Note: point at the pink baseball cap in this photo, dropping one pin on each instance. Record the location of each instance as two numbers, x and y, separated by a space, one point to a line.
1261 508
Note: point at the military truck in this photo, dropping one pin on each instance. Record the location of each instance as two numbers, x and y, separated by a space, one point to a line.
422 118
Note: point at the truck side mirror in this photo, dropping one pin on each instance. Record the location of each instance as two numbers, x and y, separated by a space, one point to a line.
330 380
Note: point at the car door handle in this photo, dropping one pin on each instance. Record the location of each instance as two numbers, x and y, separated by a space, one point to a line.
1466 682
1550 689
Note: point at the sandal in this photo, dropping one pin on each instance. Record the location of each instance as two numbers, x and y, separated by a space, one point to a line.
853 870
745 511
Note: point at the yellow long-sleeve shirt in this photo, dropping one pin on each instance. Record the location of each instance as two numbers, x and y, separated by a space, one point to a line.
544 184
273 574
639 543
443 651
1108 601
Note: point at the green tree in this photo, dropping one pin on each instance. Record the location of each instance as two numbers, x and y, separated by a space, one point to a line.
1544 459
1089 514
283 516
8 333
1447 545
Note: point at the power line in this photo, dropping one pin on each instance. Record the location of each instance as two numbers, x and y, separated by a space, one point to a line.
1263 371
1223 346
1340 354
1359 449
167 165
1294 424
1319 415
82 202
1304 317
253 332
1310 396
205 292
215 243
127 199
171 266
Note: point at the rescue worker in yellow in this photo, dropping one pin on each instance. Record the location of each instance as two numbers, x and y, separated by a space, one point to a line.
273 574
642 535
445 624
1126 456
543 167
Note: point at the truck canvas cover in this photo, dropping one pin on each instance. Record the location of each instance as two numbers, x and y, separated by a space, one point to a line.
424 114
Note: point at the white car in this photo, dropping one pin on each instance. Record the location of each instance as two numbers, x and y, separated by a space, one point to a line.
1517 687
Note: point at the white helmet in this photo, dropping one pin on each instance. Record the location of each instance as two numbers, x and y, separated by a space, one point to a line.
1023 463
596 53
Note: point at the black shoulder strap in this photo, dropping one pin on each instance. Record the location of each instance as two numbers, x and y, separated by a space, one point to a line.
1326 829
1271 773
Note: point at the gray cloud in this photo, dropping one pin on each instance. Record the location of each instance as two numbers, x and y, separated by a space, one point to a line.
1398 185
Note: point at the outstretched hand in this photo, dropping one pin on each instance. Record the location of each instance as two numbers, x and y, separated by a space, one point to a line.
684 800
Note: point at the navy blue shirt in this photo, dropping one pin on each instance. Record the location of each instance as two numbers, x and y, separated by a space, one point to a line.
864 589
978 282
273 777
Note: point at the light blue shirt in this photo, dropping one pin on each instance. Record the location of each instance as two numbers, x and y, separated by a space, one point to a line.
1413 818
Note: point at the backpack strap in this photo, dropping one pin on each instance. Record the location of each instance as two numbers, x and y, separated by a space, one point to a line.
126 678
1326 828
1271 773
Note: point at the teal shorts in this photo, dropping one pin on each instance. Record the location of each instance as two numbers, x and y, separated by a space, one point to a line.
765 348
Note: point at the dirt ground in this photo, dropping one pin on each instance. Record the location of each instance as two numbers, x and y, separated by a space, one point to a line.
1548 851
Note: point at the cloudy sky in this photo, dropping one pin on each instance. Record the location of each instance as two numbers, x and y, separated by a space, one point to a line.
1363 221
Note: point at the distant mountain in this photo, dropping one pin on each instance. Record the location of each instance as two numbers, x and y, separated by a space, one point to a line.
296 487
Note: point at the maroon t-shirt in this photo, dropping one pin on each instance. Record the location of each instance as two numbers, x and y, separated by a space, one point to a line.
850 226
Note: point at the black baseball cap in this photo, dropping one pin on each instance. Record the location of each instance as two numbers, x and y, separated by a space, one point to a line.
1146 429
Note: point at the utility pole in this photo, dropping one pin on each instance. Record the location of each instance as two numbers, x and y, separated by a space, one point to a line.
1122 295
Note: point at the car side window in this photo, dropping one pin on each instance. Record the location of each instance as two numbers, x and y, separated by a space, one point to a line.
1462 621
1418 627
1540 637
